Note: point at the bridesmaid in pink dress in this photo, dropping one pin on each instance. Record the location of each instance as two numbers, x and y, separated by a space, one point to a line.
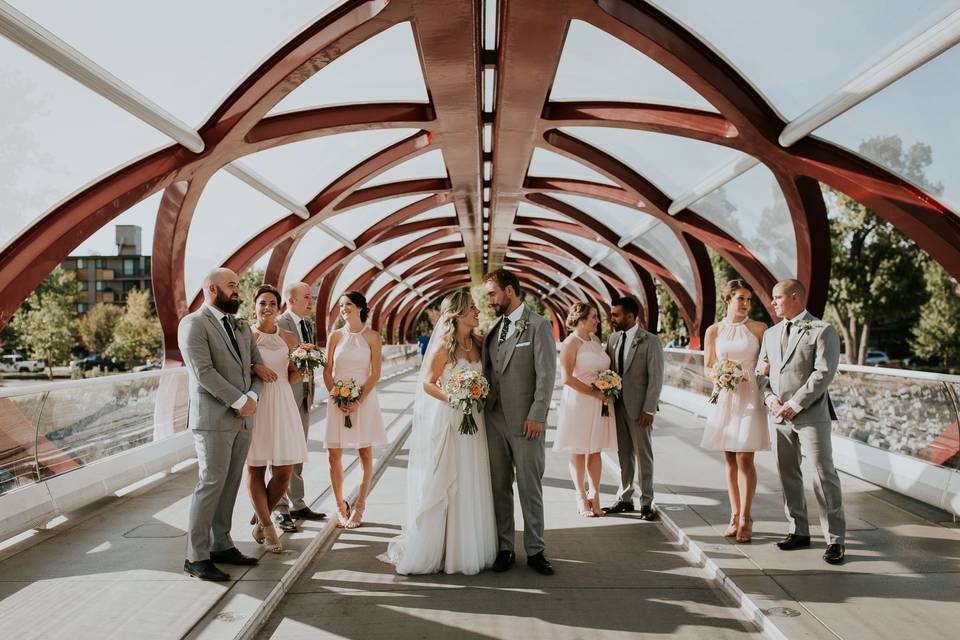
581 429
353 352
277 439
737 424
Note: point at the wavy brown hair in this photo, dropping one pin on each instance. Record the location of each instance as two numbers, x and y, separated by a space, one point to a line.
453 306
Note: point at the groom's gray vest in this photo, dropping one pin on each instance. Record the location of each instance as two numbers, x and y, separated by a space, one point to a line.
804 371
522 370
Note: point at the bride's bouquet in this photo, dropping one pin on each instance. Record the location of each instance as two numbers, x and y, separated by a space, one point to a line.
307 357
609 384
727 375
343 393
466 389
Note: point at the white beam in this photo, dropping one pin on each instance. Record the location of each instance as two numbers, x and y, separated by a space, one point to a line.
600 257
911 55
267 188
638 232
712 182
23 31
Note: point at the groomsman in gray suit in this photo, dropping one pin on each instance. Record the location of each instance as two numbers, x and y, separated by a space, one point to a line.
220 355
520 362
638 358
803 353
299 300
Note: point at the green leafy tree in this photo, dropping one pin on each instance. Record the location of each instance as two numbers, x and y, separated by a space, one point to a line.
936 336
97 327
672 326
877 272
723 272
44 324
137 336
249 282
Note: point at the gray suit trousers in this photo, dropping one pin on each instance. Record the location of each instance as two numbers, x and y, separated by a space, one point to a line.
814 440
221 456
296 490
509 451
634 450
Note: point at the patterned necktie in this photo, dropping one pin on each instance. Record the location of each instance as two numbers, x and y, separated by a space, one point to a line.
620 352
504 327
233 338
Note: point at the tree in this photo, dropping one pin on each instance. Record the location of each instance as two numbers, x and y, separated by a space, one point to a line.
672 326
249 282
97 327
936 336
44 324
877 272
723 272
138 335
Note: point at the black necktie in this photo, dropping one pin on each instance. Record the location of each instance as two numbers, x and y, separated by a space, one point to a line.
303 331
785 339
233 338
504 326
620 351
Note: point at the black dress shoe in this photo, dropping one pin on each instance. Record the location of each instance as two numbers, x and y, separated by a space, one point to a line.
793 541
647 513
834 554
307 514
620 507
205 570
540 564
232 556
285 523
504 561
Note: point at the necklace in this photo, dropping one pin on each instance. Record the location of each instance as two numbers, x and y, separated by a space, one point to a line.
467 349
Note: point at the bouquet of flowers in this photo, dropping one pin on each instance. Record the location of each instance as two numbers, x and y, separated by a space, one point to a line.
307 357
728 374
466 389
609 384
343 393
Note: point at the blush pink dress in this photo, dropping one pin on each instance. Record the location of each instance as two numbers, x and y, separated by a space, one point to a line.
351 359
580 426
277 437
738 422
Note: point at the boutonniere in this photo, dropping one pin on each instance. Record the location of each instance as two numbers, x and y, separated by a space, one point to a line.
238 324
637 339
522 325
803 325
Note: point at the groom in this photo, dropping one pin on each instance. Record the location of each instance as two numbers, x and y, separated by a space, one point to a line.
520 362
803 353
219 353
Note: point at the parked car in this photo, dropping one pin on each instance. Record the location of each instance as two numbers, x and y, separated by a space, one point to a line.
16 363
95 361
150 365
877 357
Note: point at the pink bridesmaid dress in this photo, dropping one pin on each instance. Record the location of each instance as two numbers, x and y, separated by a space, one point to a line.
277 437
580 427
351 359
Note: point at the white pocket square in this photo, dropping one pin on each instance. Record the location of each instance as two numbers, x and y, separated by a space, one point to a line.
523 344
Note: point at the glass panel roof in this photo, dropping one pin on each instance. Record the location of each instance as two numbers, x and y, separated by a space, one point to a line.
311 250
622 220
920 108
674 164
384 249
588 247
443 211
203 49
56 137
796 53
596 66
619 265
304 168
354 269
385 67
751 208
661 243
530 210
355 221
547 164
231 212
426 165
143 214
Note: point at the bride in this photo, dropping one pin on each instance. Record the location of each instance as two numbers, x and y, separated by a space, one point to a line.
449 524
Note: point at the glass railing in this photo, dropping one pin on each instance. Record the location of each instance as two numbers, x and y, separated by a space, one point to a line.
52 428
907 412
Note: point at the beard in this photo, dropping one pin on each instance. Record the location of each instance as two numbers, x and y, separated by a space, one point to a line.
500 309
227 304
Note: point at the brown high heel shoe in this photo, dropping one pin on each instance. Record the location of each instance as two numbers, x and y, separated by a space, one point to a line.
745 532
731 531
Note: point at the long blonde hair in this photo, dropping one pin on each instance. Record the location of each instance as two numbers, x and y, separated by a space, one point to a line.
453 306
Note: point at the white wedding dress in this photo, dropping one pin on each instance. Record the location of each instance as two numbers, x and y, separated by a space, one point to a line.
449 524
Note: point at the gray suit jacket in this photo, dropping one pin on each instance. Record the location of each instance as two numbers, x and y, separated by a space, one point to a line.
528 370
217 377
804 371
308 388
642 375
